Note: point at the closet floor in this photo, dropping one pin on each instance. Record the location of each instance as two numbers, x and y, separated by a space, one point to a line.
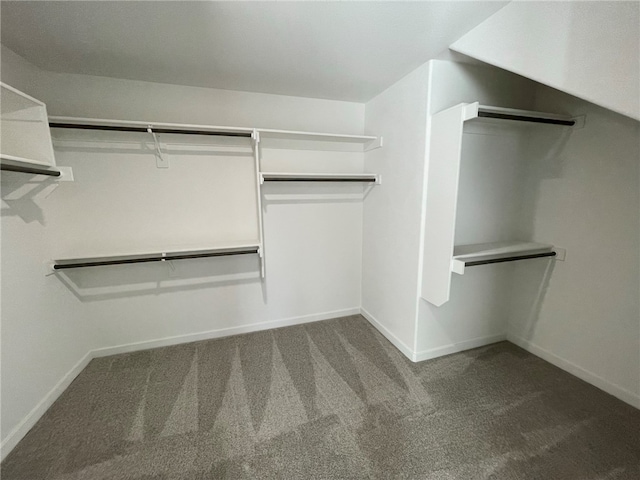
328 400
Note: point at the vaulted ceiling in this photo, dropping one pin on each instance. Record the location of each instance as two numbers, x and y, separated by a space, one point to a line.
334 50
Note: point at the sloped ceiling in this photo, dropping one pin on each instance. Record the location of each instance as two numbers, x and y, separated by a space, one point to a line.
334 50
588 49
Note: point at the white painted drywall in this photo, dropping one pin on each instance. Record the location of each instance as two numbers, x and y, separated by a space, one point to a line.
391 230
487 211
43 332
17 71
84 96
393 214
583 195
120 200
588 49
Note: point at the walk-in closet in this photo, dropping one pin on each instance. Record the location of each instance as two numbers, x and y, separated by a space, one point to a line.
320 240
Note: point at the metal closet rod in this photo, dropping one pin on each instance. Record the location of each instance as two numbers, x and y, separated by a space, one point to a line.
509 259
308 179
525 118
154 258
31 170
120 128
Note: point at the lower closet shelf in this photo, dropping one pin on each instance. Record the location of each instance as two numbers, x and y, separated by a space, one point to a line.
488 253
183 254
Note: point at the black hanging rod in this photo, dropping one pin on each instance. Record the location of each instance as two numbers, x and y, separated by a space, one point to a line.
31 170
510 259
525 118
120 128
155 258
326 179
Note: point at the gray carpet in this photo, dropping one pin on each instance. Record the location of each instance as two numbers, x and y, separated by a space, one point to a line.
328 400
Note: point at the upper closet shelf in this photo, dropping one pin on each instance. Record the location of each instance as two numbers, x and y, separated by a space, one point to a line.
319 177
144 127
474 110
25 138
488 253
524 116
369 142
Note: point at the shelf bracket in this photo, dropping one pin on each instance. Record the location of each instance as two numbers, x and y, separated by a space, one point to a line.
161 161
66 174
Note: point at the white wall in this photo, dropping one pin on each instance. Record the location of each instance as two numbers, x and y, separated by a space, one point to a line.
583 194
17 71
43 333
393 224
476 313
85 96
391 230
121 201
588 49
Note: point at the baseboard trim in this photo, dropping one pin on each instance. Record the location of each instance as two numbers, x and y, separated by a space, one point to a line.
583 374
459 347
20 430
399 344
221 332
27 423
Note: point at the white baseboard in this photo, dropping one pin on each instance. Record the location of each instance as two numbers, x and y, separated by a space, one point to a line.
458 347
20 430
399 344
27 423
434 352
589 377
222 332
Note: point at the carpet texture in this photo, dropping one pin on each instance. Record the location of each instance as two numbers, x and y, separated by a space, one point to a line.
328 400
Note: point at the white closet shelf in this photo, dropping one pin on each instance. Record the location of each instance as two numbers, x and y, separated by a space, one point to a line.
327 137
139 126
319 177
157 256
499 113
488 253
24 131
368 141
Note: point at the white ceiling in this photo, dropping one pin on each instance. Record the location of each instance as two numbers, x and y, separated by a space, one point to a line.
335 50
